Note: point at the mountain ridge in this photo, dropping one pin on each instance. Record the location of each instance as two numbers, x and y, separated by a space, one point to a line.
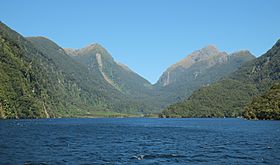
209 54
203 67
201 54
96 57
38 79
228 96
88 81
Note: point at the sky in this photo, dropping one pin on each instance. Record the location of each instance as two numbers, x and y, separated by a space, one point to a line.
149 35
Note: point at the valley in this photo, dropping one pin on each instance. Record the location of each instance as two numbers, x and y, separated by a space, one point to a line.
40 79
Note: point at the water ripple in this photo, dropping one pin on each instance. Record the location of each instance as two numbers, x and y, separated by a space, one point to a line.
139 141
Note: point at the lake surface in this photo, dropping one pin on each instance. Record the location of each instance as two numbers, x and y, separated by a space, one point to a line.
139 141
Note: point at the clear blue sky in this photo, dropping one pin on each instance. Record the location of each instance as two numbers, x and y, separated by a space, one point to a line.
149 35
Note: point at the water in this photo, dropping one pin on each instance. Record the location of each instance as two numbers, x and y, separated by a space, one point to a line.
139 141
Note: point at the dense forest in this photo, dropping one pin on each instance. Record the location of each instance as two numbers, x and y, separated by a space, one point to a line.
41 80
266 106
97 59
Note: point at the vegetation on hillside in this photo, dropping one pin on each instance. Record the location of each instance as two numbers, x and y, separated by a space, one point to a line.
38 79
229 96
21 82
266 106
201 73
223 99
98 59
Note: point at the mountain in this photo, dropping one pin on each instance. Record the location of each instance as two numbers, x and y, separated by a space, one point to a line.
97 59
41 79
209 55
228 97
200 68
119 76
19 85
38 79
128 90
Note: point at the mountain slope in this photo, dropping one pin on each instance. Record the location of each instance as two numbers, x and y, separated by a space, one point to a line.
25 89
266 106
19 85
97 59
228 97
38 79
91 75
209 55
201 68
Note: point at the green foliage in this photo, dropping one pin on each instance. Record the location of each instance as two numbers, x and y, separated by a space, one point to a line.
224 99
137 89
38 79
19 85
88 90
266 106
227 97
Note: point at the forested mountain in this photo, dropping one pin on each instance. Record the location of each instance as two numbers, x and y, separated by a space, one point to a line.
88 82
120 77
41 79
201 68
38 79
227 97
97 59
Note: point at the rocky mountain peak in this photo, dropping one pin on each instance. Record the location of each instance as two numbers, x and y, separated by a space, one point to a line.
92 47
71 52
90 50
210 49
199 55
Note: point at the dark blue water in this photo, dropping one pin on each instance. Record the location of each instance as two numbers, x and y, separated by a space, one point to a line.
139 141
